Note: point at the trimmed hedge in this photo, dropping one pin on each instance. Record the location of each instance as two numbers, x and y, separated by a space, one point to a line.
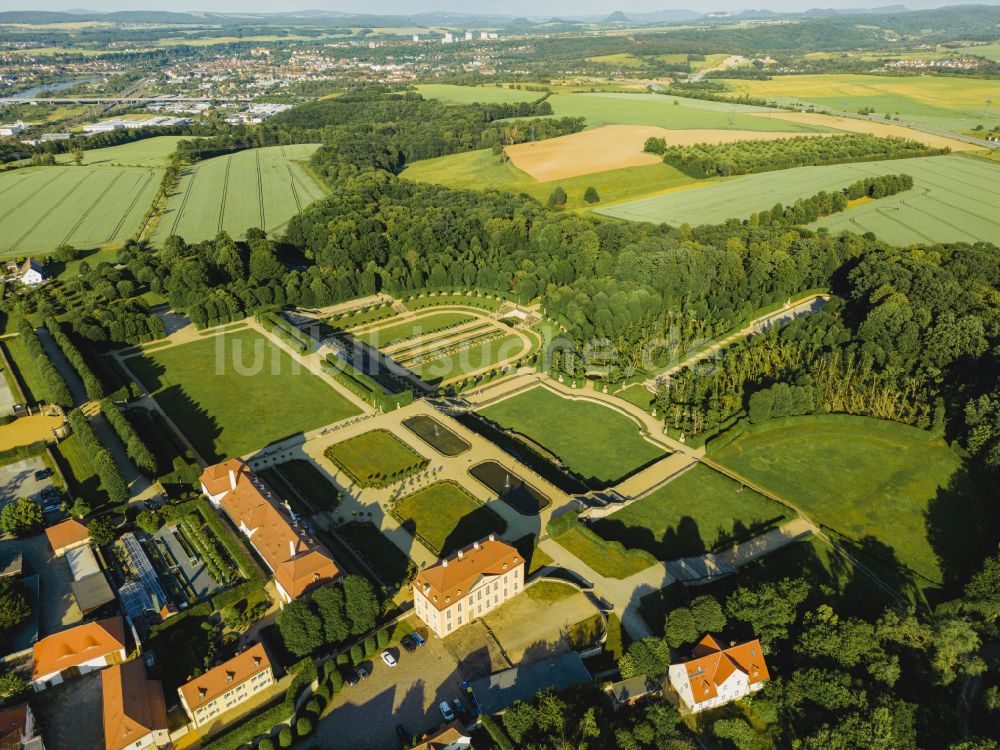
100 458
91 383
364 386
53 385
137 450
278 326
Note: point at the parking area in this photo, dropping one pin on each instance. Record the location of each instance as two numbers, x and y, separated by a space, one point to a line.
70 716
18 480
56 602
366 715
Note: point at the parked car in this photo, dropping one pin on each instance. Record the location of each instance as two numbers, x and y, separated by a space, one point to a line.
418 640
445 708
403 733
389 659
362 672
351 679
42 474
408 643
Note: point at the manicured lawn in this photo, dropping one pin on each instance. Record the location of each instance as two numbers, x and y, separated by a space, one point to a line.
699 511
637 394
593 441
536 557
476 357
372 457
81 475
897 495
445 517
420 326
236 393
308 480
392 566
549 592
607 560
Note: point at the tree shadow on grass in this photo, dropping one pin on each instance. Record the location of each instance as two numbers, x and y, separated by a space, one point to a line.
199 427
962 525
684 540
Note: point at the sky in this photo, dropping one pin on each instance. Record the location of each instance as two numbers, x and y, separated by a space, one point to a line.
532 8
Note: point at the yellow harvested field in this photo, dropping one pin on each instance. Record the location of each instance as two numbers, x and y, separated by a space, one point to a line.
28 430
615 147
875 128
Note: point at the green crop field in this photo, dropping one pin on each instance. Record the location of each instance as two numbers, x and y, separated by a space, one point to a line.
476 94
150 152
954 199
989 51
419 326
87 207
946 102
483 170
235 393
699 511
446 517
593 441
895 493
262 187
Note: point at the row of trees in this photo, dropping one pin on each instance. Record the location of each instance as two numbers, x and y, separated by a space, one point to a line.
91 382
136 448
705 160
55 390
101 460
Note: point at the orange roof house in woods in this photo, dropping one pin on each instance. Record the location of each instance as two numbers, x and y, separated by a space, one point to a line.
716 675
297 562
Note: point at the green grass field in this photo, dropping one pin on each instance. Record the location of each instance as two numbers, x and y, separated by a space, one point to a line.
946 102
262 187
989 51
446 517
699 511
236 393
451 366
419 326
87 207
476 94
150 152
610 561
373 455
897 495
593 441
482 170
953 199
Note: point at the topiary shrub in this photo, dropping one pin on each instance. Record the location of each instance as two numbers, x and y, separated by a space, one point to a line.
265 744
285 737
303 726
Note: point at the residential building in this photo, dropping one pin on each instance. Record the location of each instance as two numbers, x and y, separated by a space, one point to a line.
227 685
632 691
90 588
716 675
474 581
450 737
12 128
135 714
67 535
78 650
298 562
17 729
31 272
503 689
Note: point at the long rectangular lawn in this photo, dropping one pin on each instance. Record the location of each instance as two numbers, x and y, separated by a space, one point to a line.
593 441
235 393
447 517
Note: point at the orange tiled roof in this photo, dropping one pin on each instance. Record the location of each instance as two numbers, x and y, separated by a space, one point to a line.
713 665
73 647
225 677
449 578
445 736
66 533
13 722
133 705
297 562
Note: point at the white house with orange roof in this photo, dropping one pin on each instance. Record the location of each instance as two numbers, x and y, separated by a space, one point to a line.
135 712
467 585
78 650
226 686
298 562
716 676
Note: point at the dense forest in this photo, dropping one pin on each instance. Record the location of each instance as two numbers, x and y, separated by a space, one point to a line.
705 160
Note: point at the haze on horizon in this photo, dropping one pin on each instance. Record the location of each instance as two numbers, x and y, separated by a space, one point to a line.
531 8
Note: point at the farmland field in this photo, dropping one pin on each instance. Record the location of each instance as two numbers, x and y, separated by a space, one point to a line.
593 441
697 512
207 388
953 199
482 170
893 491
944 102
262 187
476 94
149 152
87 207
